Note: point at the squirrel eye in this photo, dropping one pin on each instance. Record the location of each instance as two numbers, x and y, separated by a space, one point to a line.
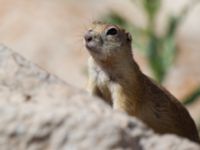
111 31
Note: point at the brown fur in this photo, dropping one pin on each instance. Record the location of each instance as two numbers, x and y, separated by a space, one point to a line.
116 77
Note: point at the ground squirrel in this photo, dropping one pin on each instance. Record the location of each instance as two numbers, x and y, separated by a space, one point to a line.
115 77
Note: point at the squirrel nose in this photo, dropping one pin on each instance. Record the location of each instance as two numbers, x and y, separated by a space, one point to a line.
88 36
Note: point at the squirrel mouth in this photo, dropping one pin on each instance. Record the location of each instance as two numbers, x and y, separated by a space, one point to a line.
92 43
92 46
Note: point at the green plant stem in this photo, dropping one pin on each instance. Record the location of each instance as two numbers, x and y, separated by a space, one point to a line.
192 97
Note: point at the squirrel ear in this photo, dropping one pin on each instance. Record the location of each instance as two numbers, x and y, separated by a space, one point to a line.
129 37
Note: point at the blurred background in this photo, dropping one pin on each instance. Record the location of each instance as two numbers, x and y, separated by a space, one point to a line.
166 38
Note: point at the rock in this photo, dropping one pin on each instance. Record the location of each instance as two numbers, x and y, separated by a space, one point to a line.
41 112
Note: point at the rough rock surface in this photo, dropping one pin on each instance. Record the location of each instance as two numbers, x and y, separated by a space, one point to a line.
41 112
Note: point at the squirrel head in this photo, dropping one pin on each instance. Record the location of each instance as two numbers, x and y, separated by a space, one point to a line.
107 41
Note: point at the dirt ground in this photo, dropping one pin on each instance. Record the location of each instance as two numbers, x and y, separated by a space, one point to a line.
50 33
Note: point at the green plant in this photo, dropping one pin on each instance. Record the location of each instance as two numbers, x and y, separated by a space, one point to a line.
192 97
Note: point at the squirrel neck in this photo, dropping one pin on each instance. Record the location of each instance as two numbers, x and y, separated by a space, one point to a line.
126 72
120 68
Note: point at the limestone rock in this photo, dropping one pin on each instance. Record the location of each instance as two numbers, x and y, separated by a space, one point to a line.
41 112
